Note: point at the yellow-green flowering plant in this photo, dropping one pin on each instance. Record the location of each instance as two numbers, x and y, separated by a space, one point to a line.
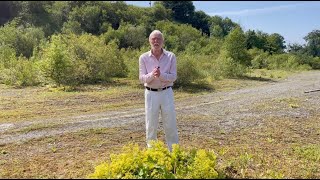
158 163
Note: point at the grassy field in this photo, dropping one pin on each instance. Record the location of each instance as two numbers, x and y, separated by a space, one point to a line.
283 148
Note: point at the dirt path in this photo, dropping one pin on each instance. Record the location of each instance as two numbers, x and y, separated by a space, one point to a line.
223 111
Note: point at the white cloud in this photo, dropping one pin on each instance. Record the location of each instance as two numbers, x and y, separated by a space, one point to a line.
257 11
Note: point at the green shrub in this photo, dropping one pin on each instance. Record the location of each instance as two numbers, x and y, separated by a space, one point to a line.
20 72
127 36
227 67
277 61
315 63
258 58
131 59
22 39
213 47
56 62
7 53
260 61
305 60
188 70
72 27
286 62
72 60
158 163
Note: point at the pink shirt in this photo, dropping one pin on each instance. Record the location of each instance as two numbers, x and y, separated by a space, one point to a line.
168 69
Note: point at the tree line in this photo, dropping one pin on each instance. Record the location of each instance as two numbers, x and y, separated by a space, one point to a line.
79 42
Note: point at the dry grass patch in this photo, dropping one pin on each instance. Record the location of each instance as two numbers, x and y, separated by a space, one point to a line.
39 103
72 155
270 74
279 103
280 147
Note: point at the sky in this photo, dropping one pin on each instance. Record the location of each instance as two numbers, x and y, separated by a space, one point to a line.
291 19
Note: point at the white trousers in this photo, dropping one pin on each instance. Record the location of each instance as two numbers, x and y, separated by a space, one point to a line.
156 102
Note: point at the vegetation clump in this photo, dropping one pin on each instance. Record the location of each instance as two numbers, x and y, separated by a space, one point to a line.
158 163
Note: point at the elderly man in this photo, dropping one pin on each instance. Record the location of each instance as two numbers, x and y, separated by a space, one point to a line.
158 71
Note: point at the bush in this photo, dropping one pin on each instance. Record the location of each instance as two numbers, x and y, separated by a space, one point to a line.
20 72
72 60
22 39
188 70
227 67
213 47
56 62
131 59
7 53
258 58
260 61
315 63
286 62
127 36
158 163
277 61
306 60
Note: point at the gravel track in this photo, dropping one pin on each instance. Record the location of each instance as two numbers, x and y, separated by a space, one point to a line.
225 111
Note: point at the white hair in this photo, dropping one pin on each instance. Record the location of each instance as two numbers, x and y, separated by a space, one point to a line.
156 32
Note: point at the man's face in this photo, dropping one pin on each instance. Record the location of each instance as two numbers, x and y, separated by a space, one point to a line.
156 41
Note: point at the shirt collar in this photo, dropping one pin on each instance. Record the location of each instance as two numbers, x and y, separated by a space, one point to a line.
164 52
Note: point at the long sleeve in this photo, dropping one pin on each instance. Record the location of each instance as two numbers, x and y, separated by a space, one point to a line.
171 76
144 76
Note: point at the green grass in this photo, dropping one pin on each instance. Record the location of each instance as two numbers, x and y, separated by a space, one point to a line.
269 74
309 152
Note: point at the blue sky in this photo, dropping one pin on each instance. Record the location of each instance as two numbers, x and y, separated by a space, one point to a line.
291 19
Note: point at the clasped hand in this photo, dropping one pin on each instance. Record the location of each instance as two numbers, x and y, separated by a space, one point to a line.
156 72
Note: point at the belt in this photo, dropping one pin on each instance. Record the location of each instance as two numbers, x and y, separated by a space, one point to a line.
159 89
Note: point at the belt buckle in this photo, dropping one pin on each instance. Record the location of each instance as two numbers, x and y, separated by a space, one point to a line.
160 89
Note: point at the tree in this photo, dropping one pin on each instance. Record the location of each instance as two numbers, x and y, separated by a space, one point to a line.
200 20
35 13
182 11
252 39
313 43
220 27
177 36
275 43
58 14
216 31
262 40
8 10
159 13
228 25
89 18
296 48
114 13
235 46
